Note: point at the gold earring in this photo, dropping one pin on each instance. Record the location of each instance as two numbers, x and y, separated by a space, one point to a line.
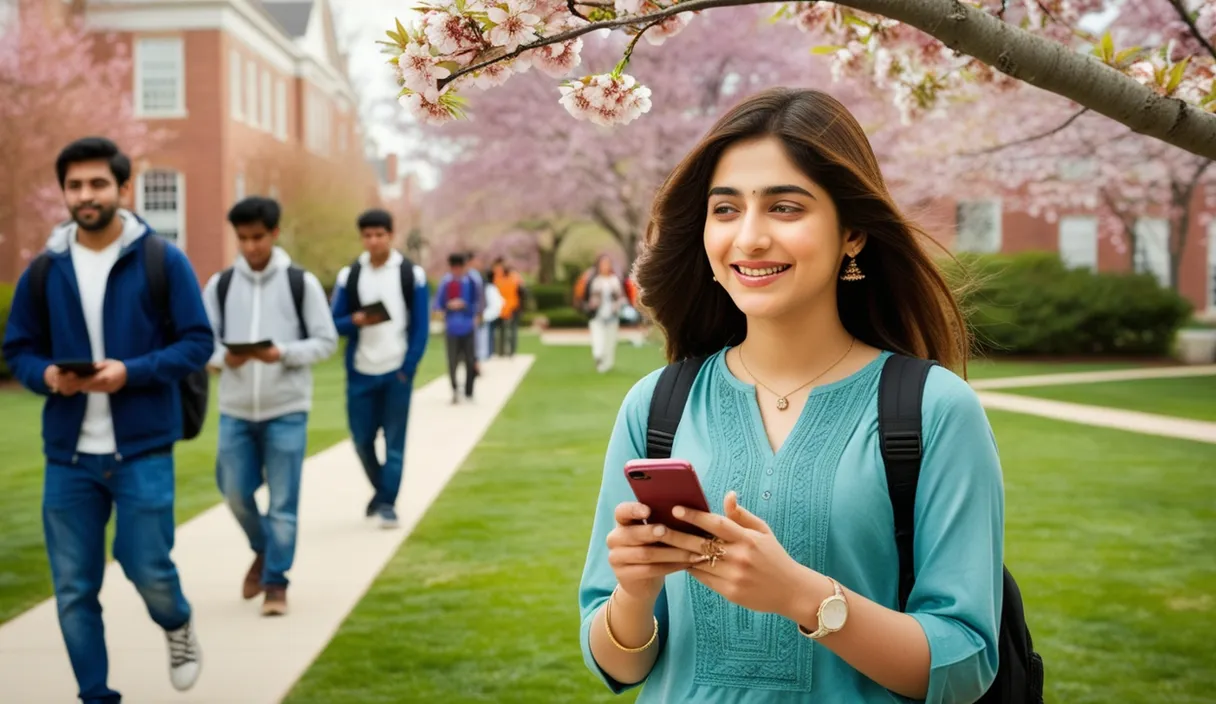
852 272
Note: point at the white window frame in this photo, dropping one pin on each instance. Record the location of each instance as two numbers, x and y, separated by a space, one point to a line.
251 92
266 114
280 109
992 242
1075 252
1211 273
178 110
1153 243
152 218
240 190
236 91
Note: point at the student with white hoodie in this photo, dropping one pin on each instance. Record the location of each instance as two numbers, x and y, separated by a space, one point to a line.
265 392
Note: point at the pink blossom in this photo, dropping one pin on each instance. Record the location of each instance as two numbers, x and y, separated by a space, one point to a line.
557 59
514 25
606 99
670 27
426 111
420 72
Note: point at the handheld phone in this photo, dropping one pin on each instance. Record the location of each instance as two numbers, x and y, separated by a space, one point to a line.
79 367
664 484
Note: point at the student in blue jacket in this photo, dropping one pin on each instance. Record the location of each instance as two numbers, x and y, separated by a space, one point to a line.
382 356
108 437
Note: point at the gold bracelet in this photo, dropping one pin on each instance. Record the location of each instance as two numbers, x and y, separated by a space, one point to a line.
608 627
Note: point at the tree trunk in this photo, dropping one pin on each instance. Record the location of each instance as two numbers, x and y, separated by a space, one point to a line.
1180 225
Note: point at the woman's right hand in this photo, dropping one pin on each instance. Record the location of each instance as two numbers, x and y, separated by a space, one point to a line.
638 560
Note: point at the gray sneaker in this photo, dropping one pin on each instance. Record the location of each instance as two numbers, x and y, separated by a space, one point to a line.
388 517
185 657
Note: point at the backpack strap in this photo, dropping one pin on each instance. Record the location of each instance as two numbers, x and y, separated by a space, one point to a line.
667 405
39 268
352 287
221 294
158 283
407 284
901 390
295 279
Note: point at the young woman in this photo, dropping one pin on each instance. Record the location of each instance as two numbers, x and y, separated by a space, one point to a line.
776 249
607 297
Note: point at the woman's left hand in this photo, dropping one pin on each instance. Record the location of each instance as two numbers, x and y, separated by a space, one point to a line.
752 570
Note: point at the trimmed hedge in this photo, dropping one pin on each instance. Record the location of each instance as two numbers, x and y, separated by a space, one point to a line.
559 318
547 297
1030 303
6 301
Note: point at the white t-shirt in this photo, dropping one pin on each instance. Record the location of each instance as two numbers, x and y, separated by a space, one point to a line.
607 289
382 347
92 273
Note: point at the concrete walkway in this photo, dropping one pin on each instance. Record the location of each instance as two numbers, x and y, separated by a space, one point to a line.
248 659
576 337
1131 421
1019 382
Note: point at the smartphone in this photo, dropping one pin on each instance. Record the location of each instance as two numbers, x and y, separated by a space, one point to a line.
247 348
664 484
79 367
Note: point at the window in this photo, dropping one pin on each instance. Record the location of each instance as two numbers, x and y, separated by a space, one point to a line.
280 110
9 12
160 198
267 120
1152 255
1079 242
235 96
251 92
1212 266
160 77
240 187
979 226
319 126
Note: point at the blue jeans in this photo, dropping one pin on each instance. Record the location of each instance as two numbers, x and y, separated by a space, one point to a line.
270 451
76 504
374 403
483 341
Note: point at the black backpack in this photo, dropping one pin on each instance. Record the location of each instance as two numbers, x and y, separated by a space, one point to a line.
195 388
295 279
407 286
1019 677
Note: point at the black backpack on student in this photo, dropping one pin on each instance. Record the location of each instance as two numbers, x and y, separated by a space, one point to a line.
295 278
407 286
195 388
1019 677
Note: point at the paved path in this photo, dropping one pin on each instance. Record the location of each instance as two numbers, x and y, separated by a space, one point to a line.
1016 382
1132 421
248 659
575 337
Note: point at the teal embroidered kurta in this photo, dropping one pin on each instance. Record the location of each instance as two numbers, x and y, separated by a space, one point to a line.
824 494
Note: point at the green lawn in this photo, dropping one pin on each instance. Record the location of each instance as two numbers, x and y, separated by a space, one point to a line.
25 578
1186 397
1110 536
990 368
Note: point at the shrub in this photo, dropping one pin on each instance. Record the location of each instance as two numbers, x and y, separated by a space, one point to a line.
6 301
556 318
547 297
1031 303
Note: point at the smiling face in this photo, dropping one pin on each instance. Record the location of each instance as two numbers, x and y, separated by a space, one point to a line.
92 194
771 233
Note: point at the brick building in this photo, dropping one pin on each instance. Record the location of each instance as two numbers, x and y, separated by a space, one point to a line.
255 96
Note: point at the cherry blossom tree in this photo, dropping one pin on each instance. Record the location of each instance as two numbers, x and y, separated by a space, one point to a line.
925 50
517 165
58 82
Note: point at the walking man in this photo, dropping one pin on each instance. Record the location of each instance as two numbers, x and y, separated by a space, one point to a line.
265 391
459 297
382 353
86 331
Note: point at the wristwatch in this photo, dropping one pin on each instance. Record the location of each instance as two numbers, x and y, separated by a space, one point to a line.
833 613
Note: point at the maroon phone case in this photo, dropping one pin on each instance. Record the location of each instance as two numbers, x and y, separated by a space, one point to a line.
664 484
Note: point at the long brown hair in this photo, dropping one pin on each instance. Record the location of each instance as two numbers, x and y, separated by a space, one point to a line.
904 304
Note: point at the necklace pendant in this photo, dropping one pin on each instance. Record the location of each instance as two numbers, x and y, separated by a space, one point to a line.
782 403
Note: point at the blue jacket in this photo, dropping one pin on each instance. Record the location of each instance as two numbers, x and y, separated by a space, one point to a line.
147 410
417 327
463 321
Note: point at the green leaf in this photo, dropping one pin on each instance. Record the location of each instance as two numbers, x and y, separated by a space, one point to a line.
1108 47
1126 54
856 21
1176 75
825 49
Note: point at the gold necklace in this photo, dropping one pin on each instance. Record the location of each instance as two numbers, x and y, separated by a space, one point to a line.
783 399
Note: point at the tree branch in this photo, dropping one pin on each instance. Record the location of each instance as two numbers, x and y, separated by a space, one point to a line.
1027 140
1186 17
1038 61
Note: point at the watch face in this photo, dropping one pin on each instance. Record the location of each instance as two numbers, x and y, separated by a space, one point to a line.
834 614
